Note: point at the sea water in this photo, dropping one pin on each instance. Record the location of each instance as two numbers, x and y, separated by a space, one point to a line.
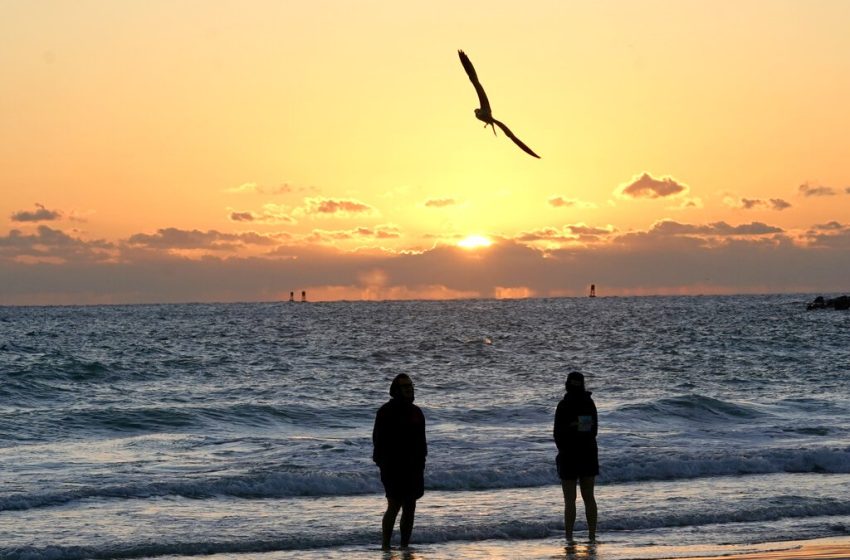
244 430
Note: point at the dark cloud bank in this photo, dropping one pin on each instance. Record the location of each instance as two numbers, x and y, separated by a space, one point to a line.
669 258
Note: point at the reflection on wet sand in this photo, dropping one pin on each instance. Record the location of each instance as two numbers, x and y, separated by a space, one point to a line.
402 554
576 551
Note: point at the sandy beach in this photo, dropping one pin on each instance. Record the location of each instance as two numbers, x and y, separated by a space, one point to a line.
819 549
816 549
832 548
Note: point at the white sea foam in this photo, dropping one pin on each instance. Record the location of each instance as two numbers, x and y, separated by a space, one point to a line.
512 522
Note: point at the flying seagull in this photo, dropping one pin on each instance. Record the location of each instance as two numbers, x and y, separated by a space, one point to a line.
484 113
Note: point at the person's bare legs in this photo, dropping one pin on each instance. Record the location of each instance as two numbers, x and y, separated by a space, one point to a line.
569 487
586 485
407 510
388 522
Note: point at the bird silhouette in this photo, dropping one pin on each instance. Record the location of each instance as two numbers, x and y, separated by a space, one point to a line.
483 113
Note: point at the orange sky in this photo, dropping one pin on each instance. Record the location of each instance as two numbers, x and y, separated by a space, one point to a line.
211 150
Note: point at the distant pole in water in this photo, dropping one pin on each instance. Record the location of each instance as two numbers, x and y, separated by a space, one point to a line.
592 290
303 296
291 296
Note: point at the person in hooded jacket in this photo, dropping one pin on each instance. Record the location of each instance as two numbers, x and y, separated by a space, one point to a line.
399 450
578 456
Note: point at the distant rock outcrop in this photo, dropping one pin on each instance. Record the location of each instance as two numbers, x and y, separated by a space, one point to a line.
820 302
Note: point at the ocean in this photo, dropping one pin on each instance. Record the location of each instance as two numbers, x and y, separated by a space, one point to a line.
244 430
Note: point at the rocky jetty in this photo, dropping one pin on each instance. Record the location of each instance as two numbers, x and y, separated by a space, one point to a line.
820 302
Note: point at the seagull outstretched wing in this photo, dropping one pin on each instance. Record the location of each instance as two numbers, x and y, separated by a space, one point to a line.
473 77
484 113
516 140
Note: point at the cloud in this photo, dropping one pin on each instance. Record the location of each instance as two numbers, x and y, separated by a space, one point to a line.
53 245
753 228
242 216
670 227
41 214
671 235
829 226
174 238
377 232
387 232
335 207
808 190
829 235
646 186
757 203
582 229
545 234
325 236
568 234
440 202
271 214
563 202
254 188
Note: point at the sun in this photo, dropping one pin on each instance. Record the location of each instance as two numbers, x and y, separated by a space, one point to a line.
474 242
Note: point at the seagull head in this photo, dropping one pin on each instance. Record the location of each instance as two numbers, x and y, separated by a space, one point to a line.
482 115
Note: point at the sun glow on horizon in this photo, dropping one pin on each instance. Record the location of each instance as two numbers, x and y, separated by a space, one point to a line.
474 242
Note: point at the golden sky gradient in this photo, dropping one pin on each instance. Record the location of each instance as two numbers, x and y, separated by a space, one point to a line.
217 150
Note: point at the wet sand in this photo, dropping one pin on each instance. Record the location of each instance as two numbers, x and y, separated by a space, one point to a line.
552 549
833 548
819 549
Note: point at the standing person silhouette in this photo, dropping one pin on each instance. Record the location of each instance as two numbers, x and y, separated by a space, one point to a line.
578 456
399 450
